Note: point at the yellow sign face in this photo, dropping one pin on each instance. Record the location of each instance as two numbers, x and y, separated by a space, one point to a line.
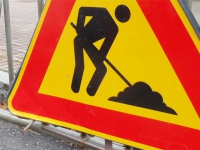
135 53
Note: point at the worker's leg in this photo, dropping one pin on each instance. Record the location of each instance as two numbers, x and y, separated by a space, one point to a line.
79 64
96 79
100 71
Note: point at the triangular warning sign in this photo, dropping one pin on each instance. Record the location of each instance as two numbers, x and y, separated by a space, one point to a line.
146 63
141 68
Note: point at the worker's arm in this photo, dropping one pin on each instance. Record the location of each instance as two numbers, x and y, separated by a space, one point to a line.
109 39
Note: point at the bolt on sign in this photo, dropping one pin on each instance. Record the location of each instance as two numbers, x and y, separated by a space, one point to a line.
124 70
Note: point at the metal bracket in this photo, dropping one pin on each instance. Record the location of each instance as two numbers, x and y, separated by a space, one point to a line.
28 126
108 145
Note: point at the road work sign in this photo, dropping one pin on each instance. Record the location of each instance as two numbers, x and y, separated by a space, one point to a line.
125 70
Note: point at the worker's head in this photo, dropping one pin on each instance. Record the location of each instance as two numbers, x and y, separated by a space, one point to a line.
122 13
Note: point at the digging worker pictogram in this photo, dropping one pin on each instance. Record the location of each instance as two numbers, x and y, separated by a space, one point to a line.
100 26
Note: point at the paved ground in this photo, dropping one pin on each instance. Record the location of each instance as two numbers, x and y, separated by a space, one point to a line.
12 138
24 17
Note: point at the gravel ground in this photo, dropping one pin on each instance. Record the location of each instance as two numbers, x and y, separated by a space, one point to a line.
13 138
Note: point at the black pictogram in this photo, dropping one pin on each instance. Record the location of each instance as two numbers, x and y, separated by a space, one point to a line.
100 26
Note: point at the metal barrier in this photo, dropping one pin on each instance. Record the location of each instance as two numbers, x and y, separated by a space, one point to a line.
86 141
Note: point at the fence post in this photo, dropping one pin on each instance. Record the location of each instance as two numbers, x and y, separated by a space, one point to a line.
108 144
40 7
8 39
